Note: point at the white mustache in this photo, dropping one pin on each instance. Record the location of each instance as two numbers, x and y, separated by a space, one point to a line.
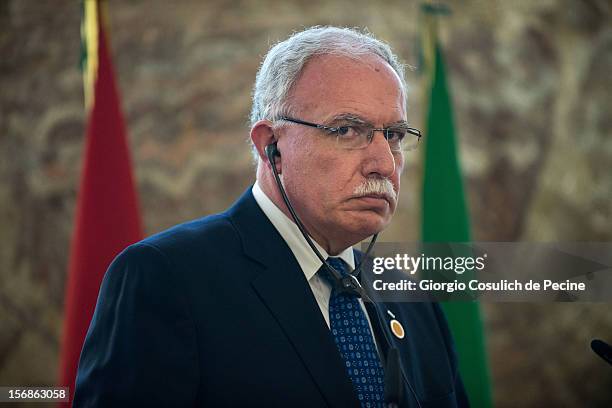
376 186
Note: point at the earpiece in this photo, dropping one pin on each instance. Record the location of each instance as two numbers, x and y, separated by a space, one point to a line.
272 151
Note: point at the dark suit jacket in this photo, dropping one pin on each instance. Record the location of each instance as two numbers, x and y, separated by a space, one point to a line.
216 312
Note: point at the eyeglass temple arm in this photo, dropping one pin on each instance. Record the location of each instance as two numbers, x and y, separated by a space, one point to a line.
303 122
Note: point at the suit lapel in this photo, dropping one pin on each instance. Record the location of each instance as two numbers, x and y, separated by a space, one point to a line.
283 288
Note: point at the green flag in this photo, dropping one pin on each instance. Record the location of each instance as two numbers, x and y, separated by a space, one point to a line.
445 219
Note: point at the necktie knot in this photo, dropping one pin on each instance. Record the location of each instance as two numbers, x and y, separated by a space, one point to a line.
339 265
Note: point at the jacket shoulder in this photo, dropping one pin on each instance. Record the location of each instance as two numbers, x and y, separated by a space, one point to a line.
199 235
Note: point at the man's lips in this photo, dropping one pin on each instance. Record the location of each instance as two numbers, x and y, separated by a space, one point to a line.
376 199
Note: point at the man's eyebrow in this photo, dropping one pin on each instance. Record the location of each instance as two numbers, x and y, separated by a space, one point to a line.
399 123
350 117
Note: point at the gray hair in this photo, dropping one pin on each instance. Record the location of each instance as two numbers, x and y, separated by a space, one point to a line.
285 61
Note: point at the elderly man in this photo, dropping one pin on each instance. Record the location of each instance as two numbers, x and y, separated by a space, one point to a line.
239 308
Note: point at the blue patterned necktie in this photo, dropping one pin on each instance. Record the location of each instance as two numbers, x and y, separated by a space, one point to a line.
351 331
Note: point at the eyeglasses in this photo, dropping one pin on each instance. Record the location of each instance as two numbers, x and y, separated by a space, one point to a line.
353 133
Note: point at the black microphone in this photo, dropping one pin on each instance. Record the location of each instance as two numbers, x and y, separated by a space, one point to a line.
602 349
393 379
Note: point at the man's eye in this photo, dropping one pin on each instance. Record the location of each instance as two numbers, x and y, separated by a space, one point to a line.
346 131
349 132
395 135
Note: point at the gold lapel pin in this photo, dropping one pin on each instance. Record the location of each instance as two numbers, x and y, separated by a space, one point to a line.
396 327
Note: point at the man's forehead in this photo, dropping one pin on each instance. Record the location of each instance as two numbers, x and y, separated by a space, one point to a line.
336 84
329 66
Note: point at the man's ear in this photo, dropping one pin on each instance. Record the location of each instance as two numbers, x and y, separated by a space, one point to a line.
262 135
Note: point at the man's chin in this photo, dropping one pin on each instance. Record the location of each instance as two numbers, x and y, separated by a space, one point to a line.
369 224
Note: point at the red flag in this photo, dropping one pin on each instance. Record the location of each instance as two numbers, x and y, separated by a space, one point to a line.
107 216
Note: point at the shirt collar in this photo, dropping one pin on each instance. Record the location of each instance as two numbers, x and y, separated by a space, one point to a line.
304 255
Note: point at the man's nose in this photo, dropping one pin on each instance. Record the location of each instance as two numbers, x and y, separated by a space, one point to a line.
379 158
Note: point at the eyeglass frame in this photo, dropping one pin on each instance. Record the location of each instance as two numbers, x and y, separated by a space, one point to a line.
413 131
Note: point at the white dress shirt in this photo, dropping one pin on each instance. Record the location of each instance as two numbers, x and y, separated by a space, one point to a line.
304 255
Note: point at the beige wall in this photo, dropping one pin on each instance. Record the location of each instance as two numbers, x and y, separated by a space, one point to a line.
531 88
